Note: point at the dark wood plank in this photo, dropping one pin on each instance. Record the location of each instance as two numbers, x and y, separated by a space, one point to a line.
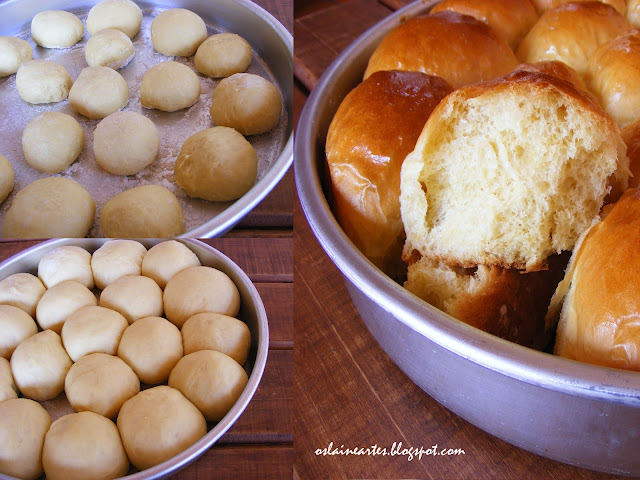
278 303
275 210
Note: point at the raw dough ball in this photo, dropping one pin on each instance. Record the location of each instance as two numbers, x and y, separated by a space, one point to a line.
125 142
200 289
51 207
60 301
7 177
8 388
169 86
216 164
246 102
211 380
98 92
123 15
15 326
115 259
52 141
43 81
177 32
39 366
13 52
165 259
100 383
83 446
93 329
134 297
151 346
109 48
22 290
23 425
213 331
56 29
157 424
149 211
66 263
222 55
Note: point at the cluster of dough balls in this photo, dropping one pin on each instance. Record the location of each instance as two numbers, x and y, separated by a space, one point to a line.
91 325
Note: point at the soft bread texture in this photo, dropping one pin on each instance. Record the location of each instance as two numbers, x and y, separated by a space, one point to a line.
450 45
364 162
544 5
509 172
631 137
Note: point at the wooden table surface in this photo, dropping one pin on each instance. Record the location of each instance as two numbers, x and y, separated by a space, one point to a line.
346 390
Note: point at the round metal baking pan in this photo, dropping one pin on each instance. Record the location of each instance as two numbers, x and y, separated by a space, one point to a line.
575 413
252 312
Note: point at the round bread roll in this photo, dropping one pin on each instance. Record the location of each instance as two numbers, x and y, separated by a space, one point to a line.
83 446
165 259
148 211
56 29
631 136
23 426
52 141
450 45
177 32
39 366
216 164
557 69
169 86
43 81
22 290
13 53
109 48
16 326
60 301
134 297
200 289
544 5
7 178
157 424
151 346
247 103
213 331
125 142
98 92
8 388
222 55
123 15
100 383
211 380
66 263
115 259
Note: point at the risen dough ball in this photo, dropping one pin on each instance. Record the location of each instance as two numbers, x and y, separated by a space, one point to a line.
98 92
39 366
165 259
222 55
52 207
56 29
151 346
83 446
149 211
66 263
109 48
213 331
15 326
134 297
200 289
211 380
43 81
7 177
52 141
125 142
22 290
100 383
246 102
13 53
157 424
8 389
123 15
216 164
23 425
169 86
177 32
115 259
60 301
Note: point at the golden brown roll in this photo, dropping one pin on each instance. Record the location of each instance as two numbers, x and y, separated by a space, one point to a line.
544 5
633 12
453 46
511 19
557 69
631 137
364 162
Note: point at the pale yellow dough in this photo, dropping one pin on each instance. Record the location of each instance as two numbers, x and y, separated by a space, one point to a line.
123 15
177 32
165 259
66 263
98 92
16 325
43 81
60 301
115 259
169 86
222 55
56 29
22 290
109 48
8 388
13 53
134 297
213 331
7 178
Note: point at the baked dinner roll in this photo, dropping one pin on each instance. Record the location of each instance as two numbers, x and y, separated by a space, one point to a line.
365 162
517 167
558 70
544 5
455 47
633 12
631 136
